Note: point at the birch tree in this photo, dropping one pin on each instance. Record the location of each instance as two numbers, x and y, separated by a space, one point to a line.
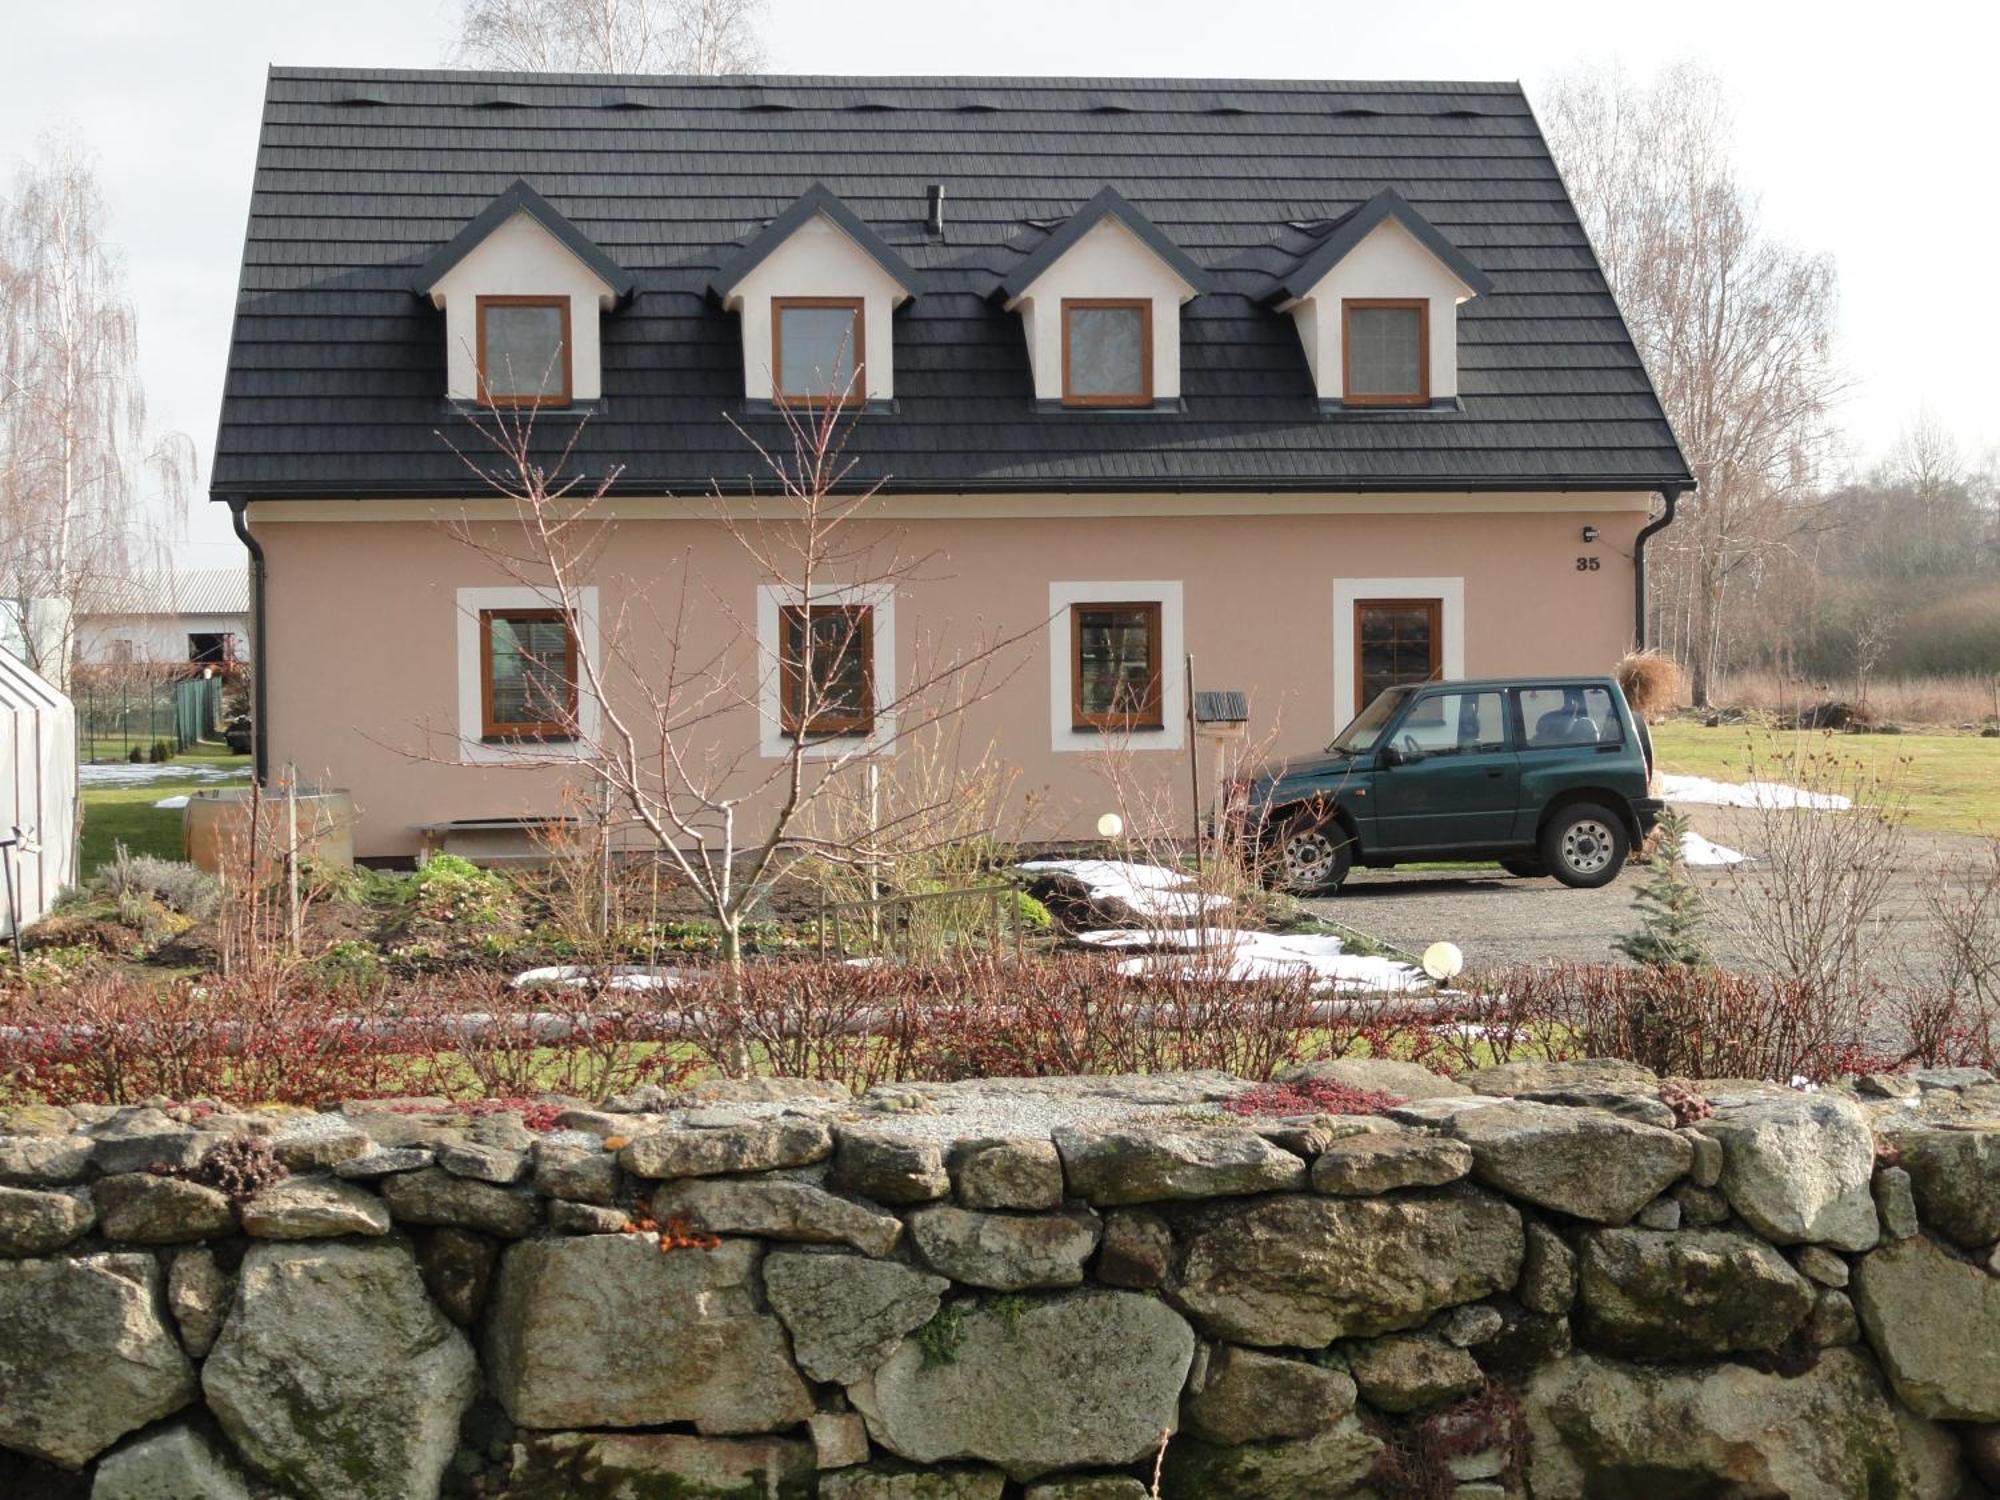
700 37
75 462
1734 326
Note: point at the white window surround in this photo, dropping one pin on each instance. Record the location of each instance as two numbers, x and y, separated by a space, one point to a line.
472 748
1347 592
1112 262
772 741
1172 733
521 259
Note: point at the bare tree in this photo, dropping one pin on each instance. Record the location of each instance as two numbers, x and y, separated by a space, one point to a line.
75 458
664 717
705 38
1735 329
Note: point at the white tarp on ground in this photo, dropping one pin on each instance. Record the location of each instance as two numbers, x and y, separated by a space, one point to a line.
1696 850
1244 956
1148 893
37 793
1700 790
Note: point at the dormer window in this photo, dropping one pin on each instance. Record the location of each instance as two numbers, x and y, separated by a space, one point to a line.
522 290
1107 351
524 351
816 292
817 346
1100 301
1386 343
1375 299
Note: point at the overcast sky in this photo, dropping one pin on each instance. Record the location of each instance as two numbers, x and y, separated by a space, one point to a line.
1869 131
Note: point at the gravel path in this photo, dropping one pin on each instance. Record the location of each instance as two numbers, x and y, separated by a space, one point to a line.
1498 919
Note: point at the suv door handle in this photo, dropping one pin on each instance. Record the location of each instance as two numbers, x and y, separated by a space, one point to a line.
1496 772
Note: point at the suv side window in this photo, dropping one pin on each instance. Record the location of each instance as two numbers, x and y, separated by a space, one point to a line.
1555 718
1456 724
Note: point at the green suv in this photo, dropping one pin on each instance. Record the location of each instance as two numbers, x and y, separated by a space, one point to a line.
1546 775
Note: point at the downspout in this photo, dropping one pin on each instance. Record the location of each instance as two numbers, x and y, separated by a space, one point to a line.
1672 495
259 646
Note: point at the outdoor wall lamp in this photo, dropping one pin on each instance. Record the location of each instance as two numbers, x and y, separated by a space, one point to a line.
1590 533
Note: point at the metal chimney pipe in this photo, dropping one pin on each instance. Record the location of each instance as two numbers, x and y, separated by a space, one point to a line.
934 208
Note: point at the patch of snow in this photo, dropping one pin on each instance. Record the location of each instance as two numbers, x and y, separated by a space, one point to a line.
1701 790
577 977
1696 850
172 802
1146 892
1247 956
126 773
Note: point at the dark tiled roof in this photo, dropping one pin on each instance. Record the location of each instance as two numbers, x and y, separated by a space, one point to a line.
336 370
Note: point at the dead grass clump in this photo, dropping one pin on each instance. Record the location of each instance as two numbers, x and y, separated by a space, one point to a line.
1652 682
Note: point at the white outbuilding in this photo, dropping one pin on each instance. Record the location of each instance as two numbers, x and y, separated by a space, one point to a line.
37 795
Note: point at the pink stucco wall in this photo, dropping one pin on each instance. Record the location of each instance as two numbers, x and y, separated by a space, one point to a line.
363 658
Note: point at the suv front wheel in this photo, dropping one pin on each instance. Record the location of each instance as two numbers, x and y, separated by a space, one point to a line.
1313 854
1584 845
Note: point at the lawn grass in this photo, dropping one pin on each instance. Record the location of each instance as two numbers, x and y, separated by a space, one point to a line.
1951 781
114 815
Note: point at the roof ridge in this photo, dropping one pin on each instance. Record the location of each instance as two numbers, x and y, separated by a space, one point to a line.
1157 81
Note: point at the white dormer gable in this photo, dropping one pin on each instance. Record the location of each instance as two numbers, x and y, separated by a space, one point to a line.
816 289
544 285
1108 263
1384 255
1106 253
522 259
818 261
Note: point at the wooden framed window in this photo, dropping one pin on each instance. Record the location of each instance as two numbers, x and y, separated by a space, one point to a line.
1396 641
527 675
826 669
1115 666
816 349
524 351
1385 351
1107 351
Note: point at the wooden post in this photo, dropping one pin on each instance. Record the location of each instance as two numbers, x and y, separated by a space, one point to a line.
1194 766
292 855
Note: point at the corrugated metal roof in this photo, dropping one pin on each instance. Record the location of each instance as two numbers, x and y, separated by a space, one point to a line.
336 371
196 591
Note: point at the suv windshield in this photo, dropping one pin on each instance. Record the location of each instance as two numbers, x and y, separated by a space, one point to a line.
1361 735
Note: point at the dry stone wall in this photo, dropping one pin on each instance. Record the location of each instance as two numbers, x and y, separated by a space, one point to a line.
1535 1280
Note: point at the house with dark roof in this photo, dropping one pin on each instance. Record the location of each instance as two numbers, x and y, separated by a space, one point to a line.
1319 383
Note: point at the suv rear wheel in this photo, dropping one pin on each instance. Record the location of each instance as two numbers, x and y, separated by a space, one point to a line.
1314 854
1584 845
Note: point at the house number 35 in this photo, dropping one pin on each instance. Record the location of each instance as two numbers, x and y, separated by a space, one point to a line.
1586 565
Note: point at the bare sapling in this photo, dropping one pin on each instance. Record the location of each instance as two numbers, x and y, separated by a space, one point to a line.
1951 997
663 717
1811 906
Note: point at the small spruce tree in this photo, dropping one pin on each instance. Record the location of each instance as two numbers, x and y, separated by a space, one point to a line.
1670 906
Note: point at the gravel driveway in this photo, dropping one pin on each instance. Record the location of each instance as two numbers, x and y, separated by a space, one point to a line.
1499 920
